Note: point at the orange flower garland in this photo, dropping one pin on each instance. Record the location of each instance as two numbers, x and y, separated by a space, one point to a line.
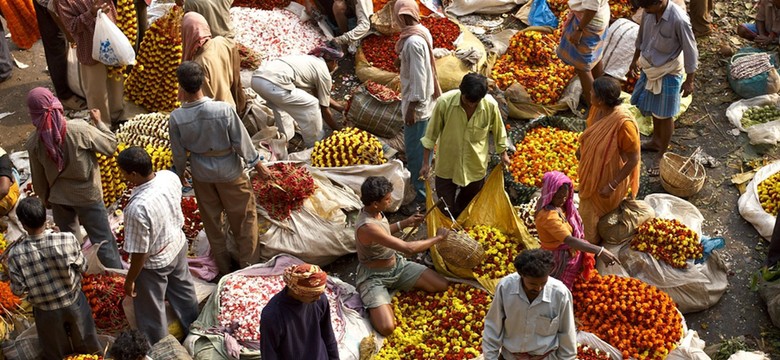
8 301
638 319
446 325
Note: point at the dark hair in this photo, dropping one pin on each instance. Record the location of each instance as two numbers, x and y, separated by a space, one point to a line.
647 3
31 212
190 76
607 89
474 87
534 263
374 189
130 345
135 159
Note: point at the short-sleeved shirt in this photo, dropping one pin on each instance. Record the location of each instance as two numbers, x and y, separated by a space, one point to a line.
153 220
769 14
553 228
305 72
601 7
47 267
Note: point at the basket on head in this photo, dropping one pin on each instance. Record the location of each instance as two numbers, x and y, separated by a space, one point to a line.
681 176
461 250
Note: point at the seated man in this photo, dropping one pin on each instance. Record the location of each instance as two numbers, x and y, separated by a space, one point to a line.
350 19
767 26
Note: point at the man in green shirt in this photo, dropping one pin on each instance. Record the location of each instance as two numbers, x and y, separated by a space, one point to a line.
460 124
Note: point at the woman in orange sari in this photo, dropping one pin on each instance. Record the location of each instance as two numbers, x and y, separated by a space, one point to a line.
609 156
560 231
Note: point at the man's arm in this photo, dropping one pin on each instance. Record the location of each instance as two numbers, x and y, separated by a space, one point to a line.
241 141
499 135
326 329
432 132
690 55
38 174
567 330
99 138
178 152
494 326
79 17
270 327
363 10
137 241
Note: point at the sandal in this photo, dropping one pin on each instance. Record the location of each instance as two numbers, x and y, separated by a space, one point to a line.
653 172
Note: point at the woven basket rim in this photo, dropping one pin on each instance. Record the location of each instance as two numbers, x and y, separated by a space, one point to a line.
456 246
669 170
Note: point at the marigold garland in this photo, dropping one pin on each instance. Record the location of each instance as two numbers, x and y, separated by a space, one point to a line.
669 241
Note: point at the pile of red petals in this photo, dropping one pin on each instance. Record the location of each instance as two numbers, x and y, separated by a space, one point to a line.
381 92
290 187
250 59
262 4
275 33
443 31
192 221
104 293
585 352
242 299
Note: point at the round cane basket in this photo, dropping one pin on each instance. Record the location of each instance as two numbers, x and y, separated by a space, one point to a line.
681 176
461 250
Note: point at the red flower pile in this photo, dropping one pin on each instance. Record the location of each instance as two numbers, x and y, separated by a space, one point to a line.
250 59
588 353
262 4
192 222
8 301
443 31
290 187
381 92
379 4
104 293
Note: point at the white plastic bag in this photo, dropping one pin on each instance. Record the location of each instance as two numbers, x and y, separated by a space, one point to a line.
767 133
109 45
74 72
691 347
593 341
353 177
465 7
671 207
750 206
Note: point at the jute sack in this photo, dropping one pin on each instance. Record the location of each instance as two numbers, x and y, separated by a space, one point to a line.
617 226
369 113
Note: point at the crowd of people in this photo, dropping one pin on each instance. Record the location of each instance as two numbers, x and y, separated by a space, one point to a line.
447 136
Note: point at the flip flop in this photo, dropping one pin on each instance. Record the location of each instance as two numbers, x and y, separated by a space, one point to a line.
653 172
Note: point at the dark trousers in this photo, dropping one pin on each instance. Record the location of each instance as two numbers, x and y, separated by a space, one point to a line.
773 255
68 330
140 14
55 46
6 61
94 218
457 198
153 286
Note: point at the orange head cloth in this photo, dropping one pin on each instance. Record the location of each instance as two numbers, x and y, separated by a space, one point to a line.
306 279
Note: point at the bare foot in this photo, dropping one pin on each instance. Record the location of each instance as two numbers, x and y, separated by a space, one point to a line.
650 146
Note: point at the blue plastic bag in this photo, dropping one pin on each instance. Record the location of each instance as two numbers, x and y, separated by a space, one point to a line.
710 245
541 15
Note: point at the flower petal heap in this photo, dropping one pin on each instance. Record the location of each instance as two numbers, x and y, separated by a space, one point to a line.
500 252
669 241
346 147
545 149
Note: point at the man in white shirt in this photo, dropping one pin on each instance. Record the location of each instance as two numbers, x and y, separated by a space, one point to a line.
531 317
157 247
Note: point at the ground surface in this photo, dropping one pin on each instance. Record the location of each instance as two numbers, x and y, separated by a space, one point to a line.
739 313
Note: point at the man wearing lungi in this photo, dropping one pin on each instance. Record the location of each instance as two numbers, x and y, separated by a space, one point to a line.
665 48
582 41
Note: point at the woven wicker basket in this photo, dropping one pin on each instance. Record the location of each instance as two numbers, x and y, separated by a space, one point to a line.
461 250
681 176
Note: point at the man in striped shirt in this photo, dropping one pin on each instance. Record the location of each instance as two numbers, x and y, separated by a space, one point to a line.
157 246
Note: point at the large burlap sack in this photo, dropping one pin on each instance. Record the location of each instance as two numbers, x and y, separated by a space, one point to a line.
449 69
318 233
354 176
750 206
27 346
490 207
620 224
767 133
379 117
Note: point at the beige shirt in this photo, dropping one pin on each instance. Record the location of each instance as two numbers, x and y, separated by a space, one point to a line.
601 7
305 72
515 325
217 14
417 83
770 15
79 182
221 67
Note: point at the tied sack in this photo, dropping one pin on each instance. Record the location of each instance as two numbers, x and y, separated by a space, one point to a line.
618 225
377 109
753 72
109 45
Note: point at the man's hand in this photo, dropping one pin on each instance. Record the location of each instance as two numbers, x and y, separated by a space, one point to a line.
764 40
409 116
94 115
130 288
416 219
425 170
100 5
263 172
576 37
687 86
505 160
184 182
634 69
442 233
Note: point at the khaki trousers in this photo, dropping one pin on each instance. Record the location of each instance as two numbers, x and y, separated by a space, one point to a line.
236 200
102 93
700 16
